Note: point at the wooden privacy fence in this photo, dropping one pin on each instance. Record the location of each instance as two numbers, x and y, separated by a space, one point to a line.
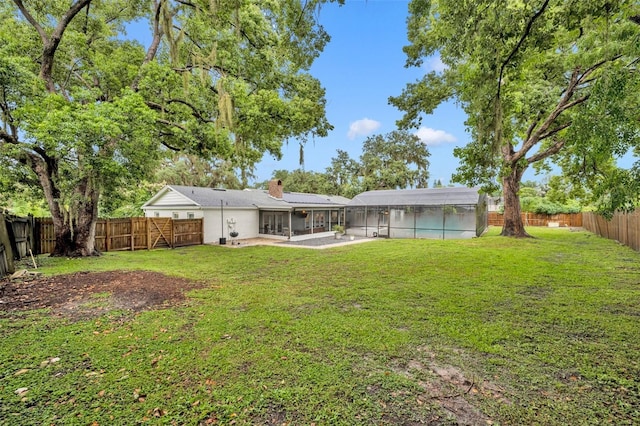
6 254
535 219
623 227
16 240
4 262
135 233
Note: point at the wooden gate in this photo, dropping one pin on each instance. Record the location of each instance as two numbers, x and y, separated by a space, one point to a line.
20 233
160 232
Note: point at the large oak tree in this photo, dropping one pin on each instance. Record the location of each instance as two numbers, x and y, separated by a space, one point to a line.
87 110
397 160
540 81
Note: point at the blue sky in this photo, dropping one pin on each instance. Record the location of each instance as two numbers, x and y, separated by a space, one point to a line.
360 68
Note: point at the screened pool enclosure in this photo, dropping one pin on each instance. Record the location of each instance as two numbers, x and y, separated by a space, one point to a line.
436 213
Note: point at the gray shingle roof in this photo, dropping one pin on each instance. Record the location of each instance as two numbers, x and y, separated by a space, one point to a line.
415 197
299 198
253 198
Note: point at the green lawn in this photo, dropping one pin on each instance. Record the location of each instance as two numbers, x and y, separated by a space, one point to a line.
484 331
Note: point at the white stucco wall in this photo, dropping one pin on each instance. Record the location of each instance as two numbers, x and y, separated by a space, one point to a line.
247 220
246 224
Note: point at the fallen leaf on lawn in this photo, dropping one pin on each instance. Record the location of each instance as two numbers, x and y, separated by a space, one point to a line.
21 391
21 371
49 361
101 393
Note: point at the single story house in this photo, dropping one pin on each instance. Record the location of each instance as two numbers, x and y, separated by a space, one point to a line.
437 213
250 213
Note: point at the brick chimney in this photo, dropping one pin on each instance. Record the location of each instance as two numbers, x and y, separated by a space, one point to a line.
275 188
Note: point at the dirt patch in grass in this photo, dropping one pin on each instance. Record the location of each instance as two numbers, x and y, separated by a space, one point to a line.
450 389
88 294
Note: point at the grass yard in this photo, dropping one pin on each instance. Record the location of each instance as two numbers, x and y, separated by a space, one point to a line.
483 331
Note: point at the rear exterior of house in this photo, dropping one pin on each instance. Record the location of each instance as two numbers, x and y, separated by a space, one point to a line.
249 213
435 213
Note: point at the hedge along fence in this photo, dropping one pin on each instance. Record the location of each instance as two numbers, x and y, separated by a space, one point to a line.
537 219
134 233
623 227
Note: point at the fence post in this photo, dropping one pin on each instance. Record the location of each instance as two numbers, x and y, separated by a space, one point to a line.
133 238
148 233
107 235
172 237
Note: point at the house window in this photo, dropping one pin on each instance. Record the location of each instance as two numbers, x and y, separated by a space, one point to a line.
175 215
191 215
156 214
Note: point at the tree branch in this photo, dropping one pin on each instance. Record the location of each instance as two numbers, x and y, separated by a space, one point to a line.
188 35
195 111
531 127
172 124
562 105
594 67
520 42
155 43
554 131
8 138
32 21
553 149
50 44
187 3
157 35
171 147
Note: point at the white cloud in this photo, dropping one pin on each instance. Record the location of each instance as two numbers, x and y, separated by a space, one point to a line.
432 137
434 63
362 127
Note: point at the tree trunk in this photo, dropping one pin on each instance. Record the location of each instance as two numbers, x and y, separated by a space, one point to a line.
513 225
74 225
76 236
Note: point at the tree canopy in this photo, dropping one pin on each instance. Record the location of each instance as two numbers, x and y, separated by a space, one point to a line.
86 111
397 160
303 181
540 81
